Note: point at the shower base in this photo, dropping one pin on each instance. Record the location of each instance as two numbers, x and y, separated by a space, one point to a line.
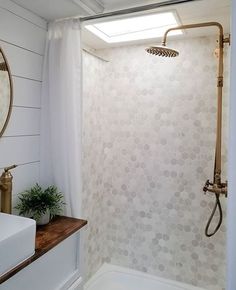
111 277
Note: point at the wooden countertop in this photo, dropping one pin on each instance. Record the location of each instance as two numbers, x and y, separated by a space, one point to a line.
47 237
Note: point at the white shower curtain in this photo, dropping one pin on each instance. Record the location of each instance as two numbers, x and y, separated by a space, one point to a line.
61 117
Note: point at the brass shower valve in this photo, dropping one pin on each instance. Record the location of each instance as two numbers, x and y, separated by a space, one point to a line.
218 189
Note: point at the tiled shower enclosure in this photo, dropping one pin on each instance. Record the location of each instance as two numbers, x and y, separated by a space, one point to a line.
149 137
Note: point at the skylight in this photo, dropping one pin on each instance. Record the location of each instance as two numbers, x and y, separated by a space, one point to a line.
135 28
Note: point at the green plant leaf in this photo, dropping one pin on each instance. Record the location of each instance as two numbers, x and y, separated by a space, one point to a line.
35 202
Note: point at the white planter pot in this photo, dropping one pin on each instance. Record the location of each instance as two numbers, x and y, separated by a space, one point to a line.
44 219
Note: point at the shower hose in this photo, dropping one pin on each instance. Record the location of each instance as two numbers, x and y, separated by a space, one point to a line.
217 205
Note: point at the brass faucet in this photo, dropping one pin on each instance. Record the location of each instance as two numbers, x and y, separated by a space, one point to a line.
6 189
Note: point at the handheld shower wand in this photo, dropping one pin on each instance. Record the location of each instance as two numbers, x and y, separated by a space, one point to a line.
217 187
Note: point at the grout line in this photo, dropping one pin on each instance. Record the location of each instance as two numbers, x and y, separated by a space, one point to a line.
43 28
21 77
21 47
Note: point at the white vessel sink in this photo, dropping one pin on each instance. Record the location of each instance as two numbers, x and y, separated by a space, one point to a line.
17 240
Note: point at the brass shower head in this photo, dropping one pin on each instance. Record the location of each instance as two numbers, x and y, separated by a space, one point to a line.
162 51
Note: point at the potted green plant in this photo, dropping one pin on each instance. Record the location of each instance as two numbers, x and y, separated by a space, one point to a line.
40 204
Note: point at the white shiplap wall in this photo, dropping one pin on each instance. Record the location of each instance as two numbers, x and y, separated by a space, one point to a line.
22 38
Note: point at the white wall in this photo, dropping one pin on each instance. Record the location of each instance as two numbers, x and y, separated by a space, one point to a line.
22 38
231 245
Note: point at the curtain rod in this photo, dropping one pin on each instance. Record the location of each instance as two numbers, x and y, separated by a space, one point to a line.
87 50
135 9
129 10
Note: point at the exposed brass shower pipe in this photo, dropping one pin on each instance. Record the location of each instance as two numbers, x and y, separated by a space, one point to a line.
216 186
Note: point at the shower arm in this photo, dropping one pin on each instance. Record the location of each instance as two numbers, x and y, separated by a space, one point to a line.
216 186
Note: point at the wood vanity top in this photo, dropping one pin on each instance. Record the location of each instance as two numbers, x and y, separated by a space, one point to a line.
47 237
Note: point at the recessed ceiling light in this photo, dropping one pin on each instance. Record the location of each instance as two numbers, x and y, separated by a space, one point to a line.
135 28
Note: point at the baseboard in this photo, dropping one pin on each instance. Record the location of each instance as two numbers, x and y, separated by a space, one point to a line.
77 285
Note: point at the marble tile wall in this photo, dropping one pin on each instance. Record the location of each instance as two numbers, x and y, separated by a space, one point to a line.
93 162
149 136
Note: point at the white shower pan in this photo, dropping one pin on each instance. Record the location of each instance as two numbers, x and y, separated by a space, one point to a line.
111 277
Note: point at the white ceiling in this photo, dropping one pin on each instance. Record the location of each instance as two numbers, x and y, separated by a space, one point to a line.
52 9
192 12
55 9
122 4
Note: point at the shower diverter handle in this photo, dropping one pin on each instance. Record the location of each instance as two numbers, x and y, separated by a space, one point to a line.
215 188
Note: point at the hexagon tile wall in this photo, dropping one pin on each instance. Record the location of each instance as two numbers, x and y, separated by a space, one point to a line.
149 136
